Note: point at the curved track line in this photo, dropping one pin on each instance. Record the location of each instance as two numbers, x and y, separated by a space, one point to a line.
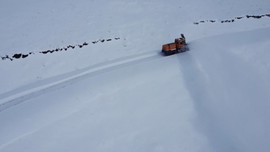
22 94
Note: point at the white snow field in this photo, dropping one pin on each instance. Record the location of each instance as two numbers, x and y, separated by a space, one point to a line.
120 94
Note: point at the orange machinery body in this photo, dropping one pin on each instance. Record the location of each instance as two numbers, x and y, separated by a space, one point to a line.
178 46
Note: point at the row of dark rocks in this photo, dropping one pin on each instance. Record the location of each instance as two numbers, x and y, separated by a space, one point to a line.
233 20
69 47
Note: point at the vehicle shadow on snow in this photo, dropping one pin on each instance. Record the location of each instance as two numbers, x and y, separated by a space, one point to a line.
229 93
196 83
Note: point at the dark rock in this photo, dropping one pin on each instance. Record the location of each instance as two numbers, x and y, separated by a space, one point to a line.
257 17
44 52
24 55
239 18
17 56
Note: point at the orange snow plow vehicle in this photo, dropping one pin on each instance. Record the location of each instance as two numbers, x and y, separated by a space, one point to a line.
178 46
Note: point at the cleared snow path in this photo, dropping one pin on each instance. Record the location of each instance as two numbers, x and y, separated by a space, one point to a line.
120 109
22 94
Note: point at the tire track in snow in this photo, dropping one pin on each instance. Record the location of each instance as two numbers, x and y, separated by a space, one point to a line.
22 94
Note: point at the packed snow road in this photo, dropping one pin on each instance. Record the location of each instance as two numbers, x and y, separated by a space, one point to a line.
120 107
24 93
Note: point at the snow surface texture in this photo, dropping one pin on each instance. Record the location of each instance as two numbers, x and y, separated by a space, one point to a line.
123 95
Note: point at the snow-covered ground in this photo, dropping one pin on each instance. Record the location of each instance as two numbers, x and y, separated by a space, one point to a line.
121 94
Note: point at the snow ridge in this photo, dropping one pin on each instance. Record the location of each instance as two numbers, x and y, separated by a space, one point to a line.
22 56
233 20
